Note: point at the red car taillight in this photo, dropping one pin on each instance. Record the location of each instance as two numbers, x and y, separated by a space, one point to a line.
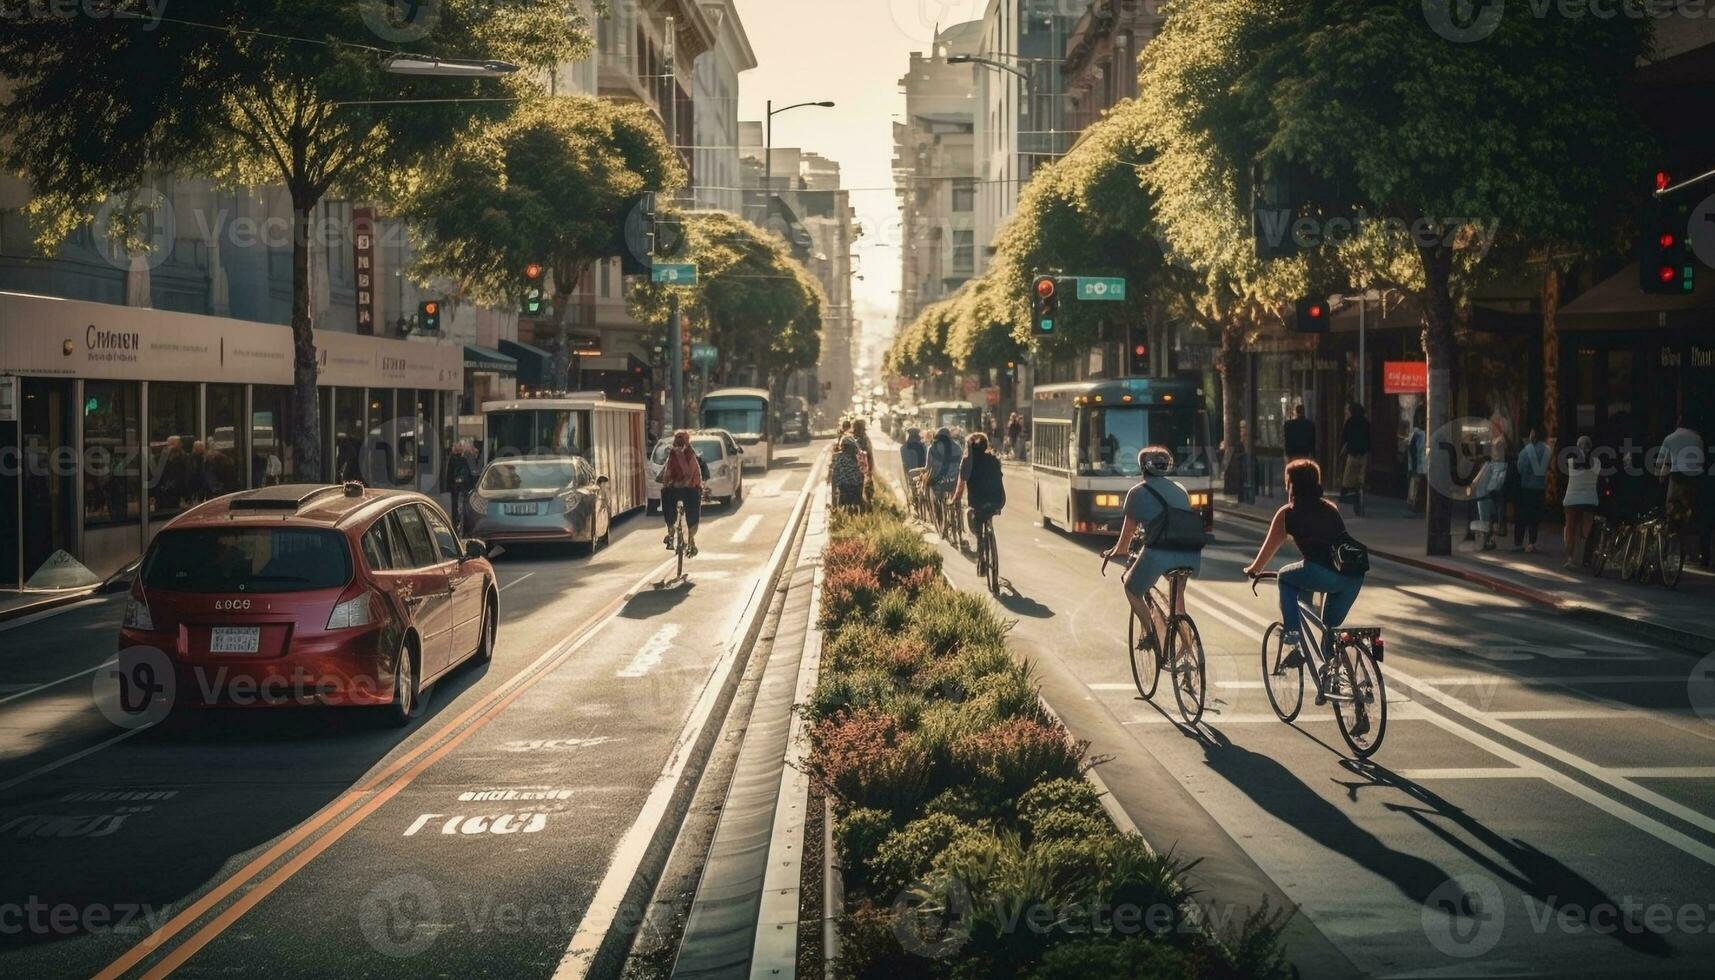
354 611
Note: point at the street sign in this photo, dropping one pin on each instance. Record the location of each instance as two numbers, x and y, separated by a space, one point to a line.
1101 289
704 354
674 274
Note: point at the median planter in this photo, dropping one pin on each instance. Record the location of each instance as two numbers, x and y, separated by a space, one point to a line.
969 842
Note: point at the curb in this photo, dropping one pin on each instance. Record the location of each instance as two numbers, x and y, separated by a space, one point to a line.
51 602
1691 642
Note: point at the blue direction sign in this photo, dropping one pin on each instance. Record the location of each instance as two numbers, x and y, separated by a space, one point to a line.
704 355
674 274
1101 289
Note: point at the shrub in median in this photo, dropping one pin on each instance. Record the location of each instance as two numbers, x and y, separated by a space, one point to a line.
960 804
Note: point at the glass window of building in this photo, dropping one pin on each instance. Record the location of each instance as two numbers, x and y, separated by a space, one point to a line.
270 435
405 442
428 436
112 453
348 433
378 452
176 449
227 442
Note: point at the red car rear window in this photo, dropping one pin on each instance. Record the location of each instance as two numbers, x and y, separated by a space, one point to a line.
247 559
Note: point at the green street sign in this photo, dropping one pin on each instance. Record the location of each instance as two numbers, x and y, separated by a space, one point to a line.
704 354
1100 289
674 274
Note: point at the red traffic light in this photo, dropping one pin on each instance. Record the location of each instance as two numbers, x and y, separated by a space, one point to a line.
1666 273
1667 239
431 308
1662 179
1140 350
1316 311
533 271
1045 288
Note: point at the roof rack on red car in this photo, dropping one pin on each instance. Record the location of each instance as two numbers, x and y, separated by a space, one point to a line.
287 497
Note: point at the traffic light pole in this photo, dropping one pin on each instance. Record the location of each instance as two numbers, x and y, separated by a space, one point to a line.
675 365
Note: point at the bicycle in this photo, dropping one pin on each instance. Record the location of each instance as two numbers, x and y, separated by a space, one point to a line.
681 539
947 521
1184 659
1352 680
917 499
1657 550
988 551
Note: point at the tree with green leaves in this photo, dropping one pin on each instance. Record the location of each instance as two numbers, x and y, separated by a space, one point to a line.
265 92
1435 135
756 304
919 352
550 184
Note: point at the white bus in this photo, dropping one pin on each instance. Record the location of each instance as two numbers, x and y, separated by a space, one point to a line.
963 416
746 413
1085 437
607 433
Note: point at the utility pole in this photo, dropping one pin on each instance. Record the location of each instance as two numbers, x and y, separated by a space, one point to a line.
675 332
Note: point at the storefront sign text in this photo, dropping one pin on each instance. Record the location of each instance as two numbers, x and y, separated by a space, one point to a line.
1405 377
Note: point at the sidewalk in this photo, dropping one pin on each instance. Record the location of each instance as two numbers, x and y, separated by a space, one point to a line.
1680 616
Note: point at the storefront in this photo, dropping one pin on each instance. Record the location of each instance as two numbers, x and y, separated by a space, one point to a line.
1632 363
489 376
116 419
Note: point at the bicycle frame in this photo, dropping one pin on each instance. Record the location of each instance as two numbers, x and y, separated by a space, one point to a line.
1311 624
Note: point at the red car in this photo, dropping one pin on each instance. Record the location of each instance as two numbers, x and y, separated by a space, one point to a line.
310 594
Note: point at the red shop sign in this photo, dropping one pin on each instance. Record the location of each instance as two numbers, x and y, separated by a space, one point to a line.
1405 377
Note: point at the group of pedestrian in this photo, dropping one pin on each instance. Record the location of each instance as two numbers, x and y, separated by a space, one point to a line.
851 471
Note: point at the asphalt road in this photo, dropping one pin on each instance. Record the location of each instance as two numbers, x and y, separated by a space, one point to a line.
1542 804
314 842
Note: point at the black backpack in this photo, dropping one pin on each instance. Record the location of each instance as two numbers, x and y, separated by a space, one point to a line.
1349 556
1175 529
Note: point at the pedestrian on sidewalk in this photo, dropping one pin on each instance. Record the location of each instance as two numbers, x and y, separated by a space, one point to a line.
1355 448
1532 483
847 476
1684 459
1015 436
460 478
1486 488
1416 465
1299 435
1579 501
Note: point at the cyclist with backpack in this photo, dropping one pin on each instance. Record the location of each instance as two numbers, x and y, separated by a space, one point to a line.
1173 533
1334 563
941 476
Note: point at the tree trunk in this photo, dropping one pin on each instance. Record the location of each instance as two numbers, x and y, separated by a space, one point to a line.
1231 367
1551 372
306 423
1443 438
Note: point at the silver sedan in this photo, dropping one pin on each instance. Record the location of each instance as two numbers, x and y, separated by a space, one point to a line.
540 498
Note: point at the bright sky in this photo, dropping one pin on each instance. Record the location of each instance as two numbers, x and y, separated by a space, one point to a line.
852 52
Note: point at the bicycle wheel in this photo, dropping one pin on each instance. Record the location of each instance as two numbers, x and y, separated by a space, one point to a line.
1285 685
1671 551
1185 654
1603 552
1145 663
1362 712
992 558
1632 559
679 542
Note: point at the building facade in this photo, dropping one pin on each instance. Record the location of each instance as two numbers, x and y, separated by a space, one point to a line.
1101 57
934 167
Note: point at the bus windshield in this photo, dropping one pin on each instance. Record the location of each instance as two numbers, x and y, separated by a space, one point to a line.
1109 439
738 415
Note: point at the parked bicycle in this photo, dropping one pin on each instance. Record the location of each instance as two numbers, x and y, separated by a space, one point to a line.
1183 659
1649 547
1345 664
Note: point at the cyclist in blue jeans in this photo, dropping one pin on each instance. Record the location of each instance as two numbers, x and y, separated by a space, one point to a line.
1315 526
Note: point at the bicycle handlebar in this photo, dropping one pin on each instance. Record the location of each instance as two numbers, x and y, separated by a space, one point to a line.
1261 577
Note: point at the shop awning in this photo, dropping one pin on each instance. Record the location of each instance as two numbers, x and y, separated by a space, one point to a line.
492 361
535 365
1616 303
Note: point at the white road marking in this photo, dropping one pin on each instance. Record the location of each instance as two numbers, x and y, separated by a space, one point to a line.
515 581
1569 714
1567 784
50 767
649 657
37 617
1488 772
47 684
1667 772
746 529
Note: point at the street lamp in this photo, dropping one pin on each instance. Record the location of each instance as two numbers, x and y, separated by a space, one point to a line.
768 142
431 66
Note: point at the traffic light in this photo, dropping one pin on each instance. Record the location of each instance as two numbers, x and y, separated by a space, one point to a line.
533 292
1138 364
1311 316
1665 262
429 316
1012 369
1045 305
